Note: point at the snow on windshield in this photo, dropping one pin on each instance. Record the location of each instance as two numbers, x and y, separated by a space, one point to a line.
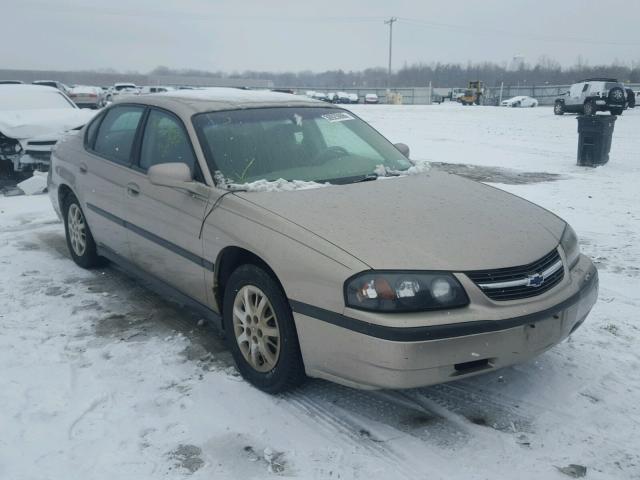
280 185
32 100
418 167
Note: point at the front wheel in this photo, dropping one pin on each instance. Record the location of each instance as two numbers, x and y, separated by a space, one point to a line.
558 108
260 331
616 111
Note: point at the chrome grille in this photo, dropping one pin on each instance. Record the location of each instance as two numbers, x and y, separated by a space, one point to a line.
525 281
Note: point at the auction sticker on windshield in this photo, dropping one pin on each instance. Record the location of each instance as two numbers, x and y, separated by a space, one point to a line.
337 117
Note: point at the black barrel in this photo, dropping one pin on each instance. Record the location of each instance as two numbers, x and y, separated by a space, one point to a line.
594 139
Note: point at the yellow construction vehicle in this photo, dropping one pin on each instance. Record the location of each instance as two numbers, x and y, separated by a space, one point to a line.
473 93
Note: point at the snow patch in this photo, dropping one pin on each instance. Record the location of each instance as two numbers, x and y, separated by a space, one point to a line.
280 185
418 167
34 185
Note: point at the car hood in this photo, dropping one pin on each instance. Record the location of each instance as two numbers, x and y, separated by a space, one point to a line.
21 124
437 221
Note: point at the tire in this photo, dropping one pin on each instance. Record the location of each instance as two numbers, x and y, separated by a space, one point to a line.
76 231
617 95
631 98
616 111
558 108
589 108
272 363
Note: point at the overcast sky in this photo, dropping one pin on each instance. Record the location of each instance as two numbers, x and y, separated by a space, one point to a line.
297 35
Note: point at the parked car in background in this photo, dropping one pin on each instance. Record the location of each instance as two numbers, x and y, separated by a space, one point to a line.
53 83
520 101
593 95
353 97
342 97
284 90
371 98
482 281
120 89
32 119
87 97
320 96
155 89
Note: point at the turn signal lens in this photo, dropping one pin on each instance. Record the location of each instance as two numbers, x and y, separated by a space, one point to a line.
569 243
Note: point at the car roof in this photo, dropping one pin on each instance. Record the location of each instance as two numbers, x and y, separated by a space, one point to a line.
599 79
189 102
25 88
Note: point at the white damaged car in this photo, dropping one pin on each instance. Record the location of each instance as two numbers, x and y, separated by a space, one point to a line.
520 101
32 119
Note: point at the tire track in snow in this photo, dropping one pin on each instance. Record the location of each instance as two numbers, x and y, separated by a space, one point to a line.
355 432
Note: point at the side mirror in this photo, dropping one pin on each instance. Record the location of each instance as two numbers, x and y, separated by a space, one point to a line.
403 148
175 175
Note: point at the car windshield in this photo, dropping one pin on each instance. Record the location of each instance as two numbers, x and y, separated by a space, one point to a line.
32 100
307 143
125 87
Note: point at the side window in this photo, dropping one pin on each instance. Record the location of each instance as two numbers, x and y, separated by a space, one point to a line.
586 86
92 130
117 133
165 141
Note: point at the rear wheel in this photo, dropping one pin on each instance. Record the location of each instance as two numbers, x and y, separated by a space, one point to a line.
616 111
558 108
260 331
80 242
589 108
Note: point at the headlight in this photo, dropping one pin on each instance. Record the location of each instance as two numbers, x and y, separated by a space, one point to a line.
569 243
404 291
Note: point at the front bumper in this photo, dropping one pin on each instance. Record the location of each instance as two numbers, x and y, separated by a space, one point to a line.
385 357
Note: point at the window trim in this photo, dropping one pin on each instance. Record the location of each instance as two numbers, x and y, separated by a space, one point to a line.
91 148
95 120
198 175
208 154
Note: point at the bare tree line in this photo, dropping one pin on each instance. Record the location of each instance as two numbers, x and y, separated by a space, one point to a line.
545 72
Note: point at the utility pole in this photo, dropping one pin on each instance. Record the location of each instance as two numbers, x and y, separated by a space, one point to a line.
390 22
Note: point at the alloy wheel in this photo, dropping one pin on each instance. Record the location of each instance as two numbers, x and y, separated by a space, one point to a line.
77 230
256 328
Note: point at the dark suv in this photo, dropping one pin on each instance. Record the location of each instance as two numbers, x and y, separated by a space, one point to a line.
592 95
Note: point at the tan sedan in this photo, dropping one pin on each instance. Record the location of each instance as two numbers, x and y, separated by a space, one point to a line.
318 247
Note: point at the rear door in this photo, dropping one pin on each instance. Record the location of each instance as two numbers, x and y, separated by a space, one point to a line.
106 169
164 223
575 93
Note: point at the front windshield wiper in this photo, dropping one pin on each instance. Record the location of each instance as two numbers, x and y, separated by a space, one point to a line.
366 178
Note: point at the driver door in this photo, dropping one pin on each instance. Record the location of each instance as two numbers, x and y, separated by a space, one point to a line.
575 93
165 222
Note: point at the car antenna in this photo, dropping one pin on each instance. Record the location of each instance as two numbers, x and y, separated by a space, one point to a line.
215 205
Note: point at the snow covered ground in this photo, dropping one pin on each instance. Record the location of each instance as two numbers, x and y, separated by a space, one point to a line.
102 379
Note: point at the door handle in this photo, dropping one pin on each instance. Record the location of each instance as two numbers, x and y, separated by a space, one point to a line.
83 168
133 189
